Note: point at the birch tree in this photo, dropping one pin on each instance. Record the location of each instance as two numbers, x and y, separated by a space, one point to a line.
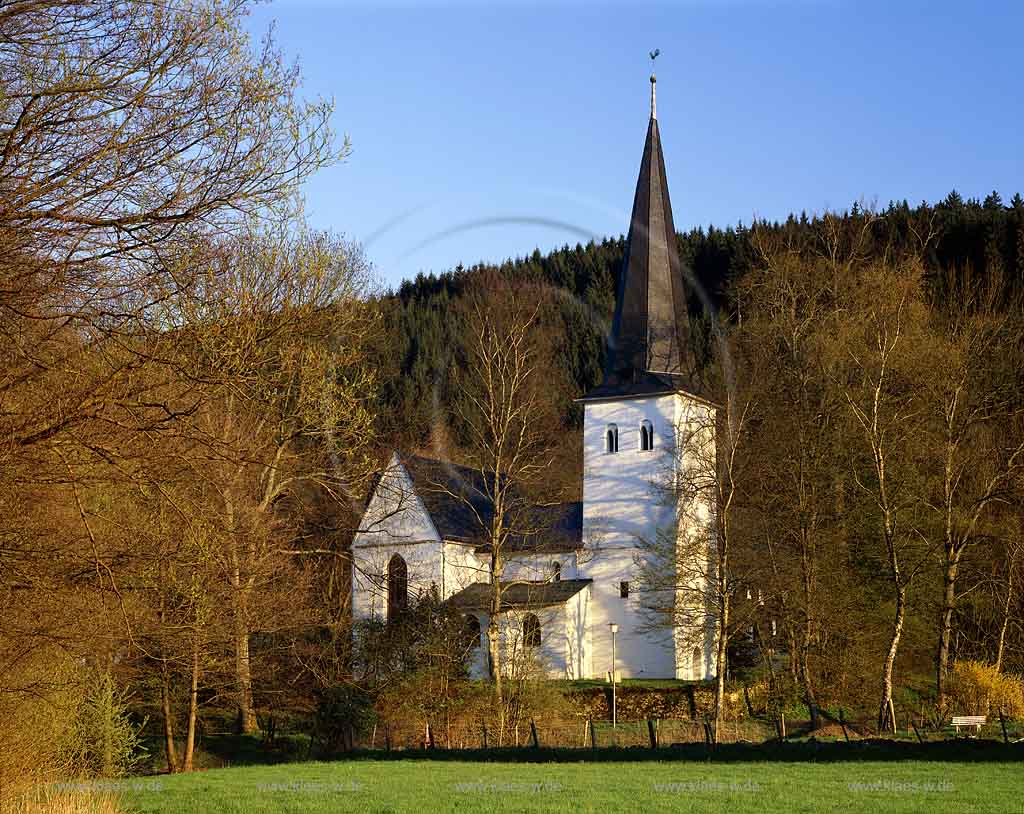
974 401
880 352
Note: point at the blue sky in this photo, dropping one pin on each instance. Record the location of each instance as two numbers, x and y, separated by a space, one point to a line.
483 130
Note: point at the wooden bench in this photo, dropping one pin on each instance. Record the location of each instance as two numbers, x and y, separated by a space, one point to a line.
967 721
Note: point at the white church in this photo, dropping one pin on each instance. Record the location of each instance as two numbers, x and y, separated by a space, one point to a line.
571 591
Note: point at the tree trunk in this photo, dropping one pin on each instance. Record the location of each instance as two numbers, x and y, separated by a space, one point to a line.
246 716
1001 647
721 656
946 625
165 702
808 685
193 708
165 681
886 712
494 634
243 678
494 657
807 571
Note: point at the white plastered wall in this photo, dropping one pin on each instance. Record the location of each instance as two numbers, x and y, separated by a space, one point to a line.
624 504
395 522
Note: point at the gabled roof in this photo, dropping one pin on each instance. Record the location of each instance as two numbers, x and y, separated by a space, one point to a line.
519 595
456 498
643 384
554 528
649 345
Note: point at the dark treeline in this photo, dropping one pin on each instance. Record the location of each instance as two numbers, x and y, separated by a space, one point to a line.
953 236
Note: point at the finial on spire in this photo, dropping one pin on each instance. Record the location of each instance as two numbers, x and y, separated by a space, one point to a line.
654 80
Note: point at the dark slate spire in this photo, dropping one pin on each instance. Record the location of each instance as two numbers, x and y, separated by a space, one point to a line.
648 347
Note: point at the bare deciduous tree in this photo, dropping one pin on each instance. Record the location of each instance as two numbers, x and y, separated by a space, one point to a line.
974 400
505 410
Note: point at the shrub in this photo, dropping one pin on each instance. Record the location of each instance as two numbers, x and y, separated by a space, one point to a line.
33 723
102 740
343 713
978 688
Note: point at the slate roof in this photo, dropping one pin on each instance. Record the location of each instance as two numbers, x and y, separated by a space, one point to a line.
519 595
559 528
649 346
643 384
456 498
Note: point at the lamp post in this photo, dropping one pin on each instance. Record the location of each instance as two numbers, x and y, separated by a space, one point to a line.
614 629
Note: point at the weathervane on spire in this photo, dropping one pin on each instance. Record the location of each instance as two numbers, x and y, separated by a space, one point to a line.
653 55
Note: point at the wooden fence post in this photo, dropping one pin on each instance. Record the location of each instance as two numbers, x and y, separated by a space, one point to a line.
387 737
1002 723
533 734
916 732
430 735
652 733
593 733
485 734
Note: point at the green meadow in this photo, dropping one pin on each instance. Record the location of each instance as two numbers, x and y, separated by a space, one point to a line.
618 787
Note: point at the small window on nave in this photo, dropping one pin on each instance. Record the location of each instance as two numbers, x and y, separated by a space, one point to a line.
612 439
646 436
531 631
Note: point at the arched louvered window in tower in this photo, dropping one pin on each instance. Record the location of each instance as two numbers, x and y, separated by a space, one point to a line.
611 439
646 436
531 631
398 586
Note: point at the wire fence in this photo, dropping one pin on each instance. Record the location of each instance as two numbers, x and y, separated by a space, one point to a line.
580 734
586 733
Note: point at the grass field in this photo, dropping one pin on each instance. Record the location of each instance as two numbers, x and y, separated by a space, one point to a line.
989 783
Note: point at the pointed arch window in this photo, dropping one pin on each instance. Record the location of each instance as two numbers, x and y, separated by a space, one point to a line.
398 586
646 436
531 631
697 665
611 439
556 571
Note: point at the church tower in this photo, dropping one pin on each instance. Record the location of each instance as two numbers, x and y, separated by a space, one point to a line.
648 397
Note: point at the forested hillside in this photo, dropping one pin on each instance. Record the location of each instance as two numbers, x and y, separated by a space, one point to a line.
956 236
868 454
